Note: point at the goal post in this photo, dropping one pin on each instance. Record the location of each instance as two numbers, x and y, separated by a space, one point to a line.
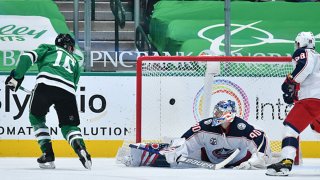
175 92
212 70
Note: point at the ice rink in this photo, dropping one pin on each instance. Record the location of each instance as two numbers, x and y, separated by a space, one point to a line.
108 169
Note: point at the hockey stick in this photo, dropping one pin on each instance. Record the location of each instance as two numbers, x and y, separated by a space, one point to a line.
23 89
191 161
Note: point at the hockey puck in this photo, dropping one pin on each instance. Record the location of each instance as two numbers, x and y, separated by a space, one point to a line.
172 101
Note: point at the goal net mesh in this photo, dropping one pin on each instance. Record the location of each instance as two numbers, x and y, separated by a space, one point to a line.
173 93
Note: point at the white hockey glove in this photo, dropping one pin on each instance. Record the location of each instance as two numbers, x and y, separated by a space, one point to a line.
12 83
253 163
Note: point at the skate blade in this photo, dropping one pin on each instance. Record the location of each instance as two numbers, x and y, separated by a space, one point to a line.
87 163
47 165
282 172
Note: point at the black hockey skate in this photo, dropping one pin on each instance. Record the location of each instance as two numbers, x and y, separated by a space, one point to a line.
83 154
46 161
281 168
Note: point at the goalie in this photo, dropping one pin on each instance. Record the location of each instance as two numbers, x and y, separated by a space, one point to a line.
212 140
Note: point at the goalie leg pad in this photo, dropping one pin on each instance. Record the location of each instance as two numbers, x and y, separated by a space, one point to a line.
152 159
138 157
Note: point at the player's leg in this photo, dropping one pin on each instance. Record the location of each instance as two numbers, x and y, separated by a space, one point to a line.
315 125
290 144
297 120
41 131
69 121
73 135
306 112
39 106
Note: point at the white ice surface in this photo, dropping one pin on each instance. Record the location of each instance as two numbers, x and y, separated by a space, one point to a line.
107 169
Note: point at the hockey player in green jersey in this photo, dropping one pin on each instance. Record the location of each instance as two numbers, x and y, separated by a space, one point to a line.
56 85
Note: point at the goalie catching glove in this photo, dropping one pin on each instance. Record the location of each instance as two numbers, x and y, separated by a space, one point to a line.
290 89
13 83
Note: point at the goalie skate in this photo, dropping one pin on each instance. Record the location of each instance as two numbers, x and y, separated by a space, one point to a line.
46 161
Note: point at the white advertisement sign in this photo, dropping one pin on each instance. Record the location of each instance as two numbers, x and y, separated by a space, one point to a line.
106 106
25 32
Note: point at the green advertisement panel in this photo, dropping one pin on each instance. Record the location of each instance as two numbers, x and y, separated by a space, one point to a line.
257 29
24 25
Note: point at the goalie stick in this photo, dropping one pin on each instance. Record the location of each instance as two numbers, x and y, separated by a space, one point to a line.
191 161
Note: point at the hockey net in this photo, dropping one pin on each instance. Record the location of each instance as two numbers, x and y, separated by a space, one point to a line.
175 92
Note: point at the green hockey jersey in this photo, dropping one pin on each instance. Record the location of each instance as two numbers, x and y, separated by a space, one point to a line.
56 67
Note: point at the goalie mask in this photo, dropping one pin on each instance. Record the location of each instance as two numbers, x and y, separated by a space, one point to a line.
305 39
66 42
224 111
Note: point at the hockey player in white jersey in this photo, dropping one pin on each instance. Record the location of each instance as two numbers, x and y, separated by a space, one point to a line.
301 88
212 140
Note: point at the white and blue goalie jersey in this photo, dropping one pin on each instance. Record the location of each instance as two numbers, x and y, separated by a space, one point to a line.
217 143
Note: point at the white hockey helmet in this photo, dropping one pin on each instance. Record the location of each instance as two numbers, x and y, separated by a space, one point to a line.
224 111
305 39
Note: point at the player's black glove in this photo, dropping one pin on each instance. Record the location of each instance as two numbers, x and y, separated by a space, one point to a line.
290 89
13 83
287 98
